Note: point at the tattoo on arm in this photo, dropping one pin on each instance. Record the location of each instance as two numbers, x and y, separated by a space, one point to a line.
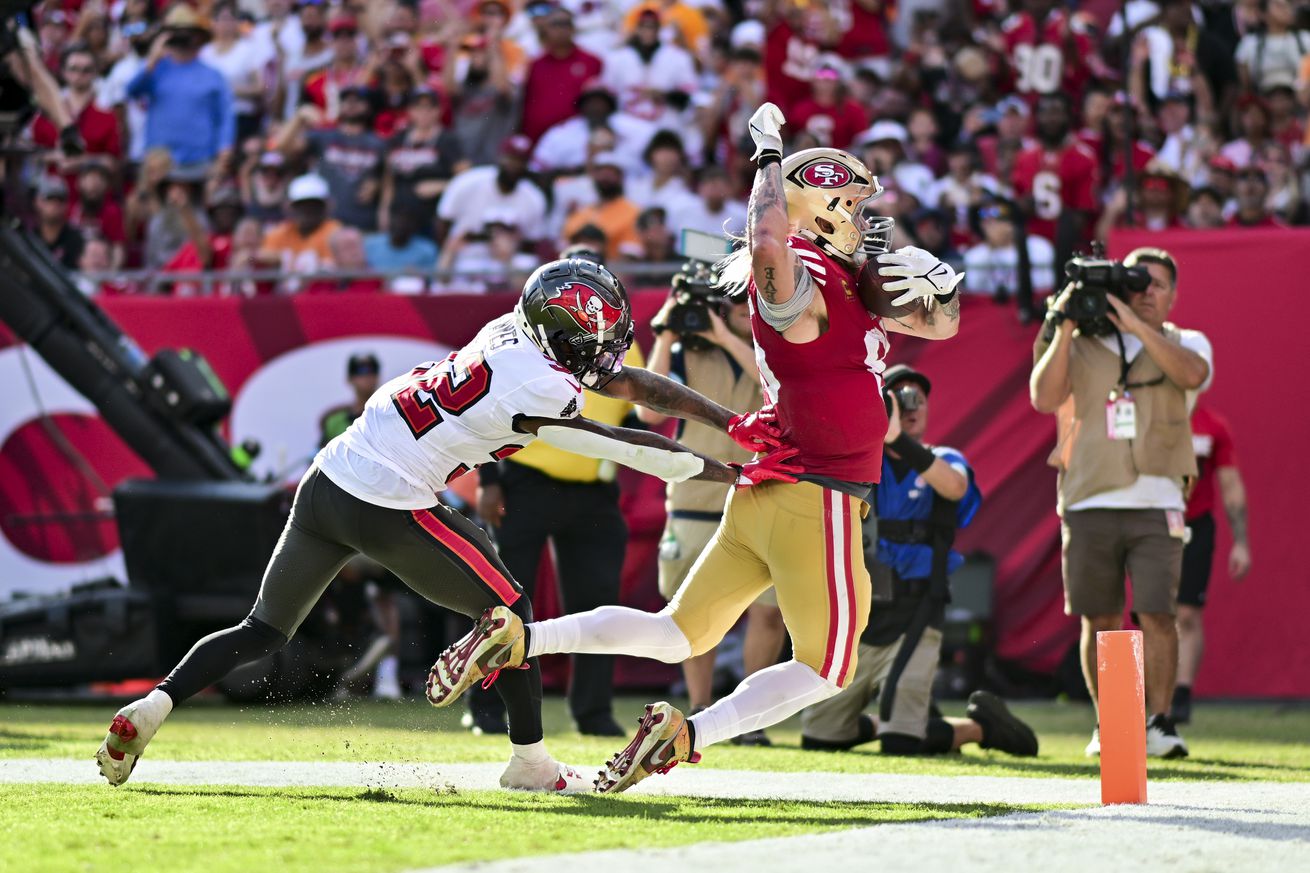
1237 522
766 195
670 398
768 289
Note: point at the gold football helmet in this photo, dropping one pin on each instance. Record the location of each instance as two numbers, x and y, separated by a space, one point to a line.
829 193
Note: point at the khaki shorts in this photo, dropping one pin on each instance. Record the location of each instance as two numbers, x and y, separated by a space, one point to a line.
1101 546
805 541
689 537
836 720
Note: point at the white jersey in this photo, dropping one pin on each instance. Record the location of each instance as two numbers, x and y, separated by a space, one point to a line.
442 419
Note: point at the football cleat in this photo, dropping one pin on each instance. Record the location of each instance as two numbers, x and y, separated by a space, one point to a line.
496 643
1093 748
1162 740
549 776
133 727
662 742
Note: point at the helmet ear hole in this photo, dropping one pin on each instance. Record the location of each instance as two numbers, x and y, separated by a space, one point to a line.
824 225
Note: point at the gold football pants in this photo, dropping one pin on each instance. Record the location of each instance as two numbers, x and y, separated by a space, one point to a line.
805 541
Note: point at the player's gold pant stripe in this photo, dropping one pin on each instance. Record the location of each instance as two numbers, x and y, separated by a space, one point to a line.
841 586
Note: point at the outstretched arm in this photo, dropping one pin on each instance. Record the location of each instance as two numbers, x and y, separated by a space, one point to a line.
662 394
638 449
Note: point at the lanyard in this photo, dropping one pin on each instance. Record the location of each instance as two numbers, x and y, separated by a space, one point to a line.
1123 367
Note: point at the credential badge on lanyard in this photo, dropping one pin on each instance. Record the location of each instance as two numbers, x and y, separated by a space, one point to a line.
1120 416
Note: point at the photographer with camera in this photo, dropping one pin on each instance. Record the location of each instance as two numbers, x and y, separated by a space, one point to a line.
925 493
703 340
1121 380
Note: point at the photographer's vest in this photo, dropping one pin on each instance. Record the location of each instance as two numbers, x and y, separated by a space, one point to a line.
712 374
1088 460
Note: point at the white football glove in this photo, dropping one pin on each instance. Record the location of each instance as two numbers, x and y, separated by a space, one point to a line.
920 274
766 129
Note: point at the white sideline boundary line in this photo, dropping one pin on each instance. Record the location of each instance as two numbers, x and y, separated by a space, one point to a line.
1188 826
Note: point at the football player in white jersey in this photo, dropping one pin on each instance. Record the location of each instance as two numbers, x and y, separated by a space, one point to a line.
373 491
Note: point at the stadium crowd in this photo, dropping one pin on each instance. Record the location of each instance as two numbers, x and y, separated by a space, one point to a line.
360 145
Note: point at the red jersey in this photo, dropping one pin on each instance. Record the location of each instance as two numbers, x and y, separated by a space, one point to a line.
1142 153
107 224
828 391
1213 444
1056 181
1050 59
864 33
833 126
789 63
550 94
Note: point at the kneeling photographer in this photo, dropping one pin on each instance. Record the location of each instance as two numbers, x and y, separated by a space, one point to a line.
703 340
924 494
1121 381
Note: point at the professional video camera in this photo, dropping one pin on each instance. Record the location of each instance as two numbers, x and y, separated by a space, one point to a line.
694 289
906 396
1094 277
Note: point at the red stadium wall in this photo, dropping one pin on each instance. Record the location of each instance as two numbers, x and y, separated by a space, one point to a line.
980 405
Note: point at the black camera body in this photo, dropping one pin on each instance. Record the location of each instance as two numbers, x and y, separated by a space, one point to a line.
694 292
906 397
1094 279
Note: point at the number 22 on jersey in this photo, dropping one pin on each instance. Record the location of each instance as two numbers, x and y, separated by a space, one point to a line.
451 386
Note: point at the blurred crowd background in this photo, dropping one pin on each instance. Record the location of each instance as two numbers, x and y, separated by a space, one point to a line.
268 146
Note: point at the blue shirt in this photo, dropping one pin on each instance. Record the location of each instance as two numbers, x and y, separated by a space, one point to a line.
910 499
190 110
418 253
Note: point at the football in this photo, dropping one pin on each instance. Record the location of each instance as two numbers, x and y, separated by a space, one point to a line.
869 285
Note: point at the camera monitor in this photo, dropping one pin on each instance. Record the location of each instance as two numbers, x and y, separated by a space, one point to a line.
701 246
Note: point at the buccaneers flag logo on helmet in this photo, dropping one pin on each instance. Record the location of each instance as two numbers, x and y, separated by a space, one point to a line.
587 306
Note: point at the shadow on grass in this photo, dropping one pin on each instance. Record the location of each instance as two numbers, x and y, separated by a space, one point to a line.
683 810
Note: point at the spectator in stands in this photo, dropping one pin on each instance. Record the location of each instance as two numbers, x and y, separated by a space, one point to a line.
482 100
655 245
1252 193
1272 55
1120 126
420 161
312 52
181 220
613 213
1183 146
931 230
1121 471
240 60
397 248
1286 200
490 260
555 78
666 184
130 112
829 112
96 257
1254 117
96 213
263 182
500 189
1206 211
1050 51
346 254
213 250
61 238
993 264
347 155
794 33
1161 199
565 148
1222 177
713 209
685 19
645 67
961 188
98 127
300 244
1176 56
1056 181
190 103
923 146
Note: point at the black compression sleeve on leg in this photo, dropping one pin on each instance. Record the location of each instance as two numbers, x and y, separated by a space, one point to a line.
521 691
900 744
940 738
219 654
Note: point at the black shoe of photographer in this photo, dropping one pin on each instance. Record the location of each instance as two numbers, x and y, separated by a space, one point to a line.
865 734
1162 740
601 726
1001 729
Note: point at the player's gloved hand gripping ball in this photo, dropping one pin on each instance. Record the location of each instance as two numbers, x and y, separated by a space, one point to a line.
919 274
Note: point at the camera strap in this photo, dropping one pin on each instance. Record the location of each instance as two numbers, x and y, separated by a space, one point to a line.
1124 364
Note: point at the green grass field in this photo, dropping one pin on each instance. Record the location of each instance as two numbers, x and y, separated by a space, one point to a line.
66 827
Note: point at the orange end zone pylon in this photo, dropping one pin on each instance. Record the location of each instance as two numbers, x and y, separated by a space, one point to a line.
1121 692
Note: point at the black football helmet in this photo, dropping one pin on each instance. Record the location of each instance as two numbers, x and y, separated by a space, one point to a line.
577 312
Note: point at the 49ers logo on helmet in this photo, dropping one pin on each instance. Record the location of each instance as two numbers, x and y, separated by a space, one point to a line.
826 174
587 306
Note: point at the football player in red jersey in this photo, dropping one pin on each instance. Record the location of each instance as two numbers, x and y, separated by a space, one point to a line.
1057 179
1049 51
820 355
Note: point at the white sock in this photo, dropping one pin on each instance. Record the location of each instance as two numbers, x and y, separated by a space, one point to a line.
611 630
762 699
160 702
532 753
387 669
